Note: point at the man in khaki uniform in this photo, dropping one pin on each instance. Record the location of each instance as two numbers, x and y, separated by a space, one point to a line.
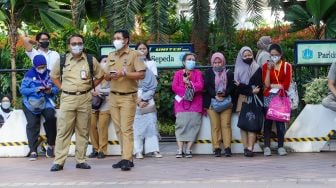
75 109
125 67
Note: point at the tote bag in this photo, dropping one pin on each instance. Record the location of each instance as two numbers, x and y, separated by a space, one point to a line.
279 109
251 117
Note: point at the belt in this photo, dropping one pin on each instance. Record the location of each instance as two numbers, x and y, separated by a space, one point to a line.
120 93
77 92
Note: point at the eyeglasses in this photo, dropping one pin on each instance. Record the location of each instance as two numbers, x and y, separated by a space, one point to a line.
76 44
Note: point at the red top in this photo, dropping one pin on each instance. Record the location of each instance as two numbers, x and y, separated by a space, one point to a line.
278 77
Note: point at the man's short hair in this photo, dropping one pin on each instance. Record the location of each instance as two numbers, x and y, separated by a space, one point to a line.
124 33
39 35
75 35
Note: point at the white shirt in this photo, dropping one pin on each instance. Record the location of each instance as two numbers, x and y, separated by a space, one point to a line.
151 65
51 56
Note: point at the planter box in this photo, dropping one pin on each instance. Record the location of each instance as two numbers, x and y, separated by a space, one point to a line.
310 131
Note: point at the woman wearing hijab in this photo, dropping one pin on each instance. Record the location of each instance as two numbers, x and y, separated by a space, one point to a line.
146 133
248 78
5 109
218 84
263 55
38 93
188 108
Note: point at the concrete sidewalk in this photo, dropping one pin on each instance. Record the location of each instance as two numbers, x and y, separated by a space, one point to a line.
294 170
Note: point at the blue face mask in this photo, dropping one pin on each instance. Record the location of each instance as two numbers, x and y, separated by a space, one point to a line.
190 64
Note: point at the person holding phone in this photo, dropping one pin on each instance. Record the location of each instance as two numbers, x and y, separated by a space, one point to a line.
38 94
249 83
218 84
276 76
188 104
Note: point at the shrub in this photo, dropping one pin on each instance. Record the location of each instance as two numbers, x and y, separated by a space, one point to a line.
316 91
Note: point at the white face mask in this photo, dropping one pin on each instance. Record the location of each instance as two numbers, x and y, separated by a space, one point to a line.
41 71
118 44
76 49
275 58
5 105
103 66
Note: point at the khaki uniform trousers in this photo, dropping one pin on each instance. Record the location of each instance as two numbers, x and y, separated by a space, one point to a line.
220 127
100 121
122 113
74 115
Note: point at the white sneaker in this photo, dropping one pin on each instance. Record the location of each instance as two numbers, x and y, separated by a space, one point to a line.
139 156
282 151
188 154
179 154
267 151
157 154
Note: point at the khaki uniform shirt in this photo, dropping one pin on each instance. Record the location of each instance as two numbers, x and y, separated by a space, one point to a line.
73 71
130 61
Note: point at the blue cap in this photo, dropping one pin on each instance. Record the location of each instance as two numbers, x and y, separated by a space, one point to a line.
39 60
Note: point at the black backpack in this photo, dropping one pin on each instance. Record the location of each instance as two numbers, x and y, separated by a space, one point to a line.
97 101
89 58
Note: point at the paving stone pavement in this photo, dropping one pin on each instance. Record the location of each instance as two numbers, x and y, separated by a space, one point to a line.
294 170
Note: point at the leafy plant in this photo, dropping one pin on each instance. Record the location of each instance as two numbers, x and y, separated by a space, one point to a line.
316 91
167 129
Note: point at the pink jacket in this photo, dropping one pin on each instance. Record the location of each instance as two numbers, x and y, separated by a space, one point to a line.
179 88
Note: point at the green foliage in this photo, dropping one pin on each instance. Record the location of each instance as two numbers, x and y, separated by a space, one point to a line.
316 91
318 15
165 97
166 128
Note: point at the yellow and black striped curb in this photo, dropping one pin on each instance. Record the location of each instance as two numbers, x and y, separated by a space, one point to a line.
44 138
304 139
236 141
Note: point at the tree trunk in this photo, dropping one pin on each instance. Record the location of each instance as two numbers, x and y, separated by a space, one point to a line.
13 40
75 13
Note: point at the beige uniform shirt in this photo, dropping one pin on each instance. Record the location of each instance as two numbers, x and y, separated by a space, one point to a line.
73 72
130 61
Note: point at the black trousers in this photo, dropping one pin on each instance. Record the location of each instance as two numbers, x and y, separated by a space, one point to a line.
281 130
33 127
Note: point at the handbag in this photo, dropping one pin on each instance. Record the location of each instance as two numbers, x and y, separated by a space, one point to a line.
292 92
251 117
97 101
37 104
220 106
189 94
279 109
149 108
293 95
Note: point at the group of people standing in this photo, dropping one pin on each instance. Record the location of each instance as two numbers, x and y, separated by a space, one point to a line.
125 81
260 80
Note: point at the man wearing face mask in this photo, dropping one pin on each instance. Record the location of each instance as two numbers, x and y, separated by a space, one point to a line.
42 41
75 80
5 110
125 67
38 91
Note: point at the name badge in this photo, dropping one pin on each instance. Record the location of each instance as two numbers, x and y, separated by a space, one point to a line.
83 74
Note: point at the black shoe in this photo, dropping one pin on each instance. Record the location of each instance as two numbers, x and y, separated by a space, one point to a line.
93 154
119 164
126 165
83 166
100 155
56 167
227 152
218 152
245 152
249 153
50 152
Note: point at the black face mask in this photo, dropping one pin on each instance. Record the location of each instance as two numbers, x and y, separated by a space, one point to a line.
248 61
44 44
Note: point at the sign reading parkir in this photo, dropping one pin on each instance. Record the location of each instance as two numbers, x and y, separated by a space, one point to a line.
165 55
315 51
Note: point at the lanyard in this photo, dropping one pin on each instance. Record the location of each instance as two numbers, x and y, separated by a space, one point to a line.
44 82
277 75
